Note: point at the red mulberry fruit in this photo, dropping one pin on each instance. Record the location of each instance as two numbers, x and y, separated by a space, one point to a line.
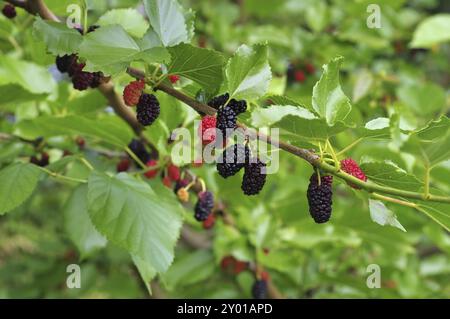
320 198
123 165
174 78
173 172
133 92
206 130
151 173
209 222
204 206
147 109
350 166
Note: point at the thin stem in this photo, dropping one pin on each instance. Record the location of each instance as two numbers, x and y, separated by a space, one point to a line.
86 163
62 177
137 159
394 200
348 147
333 155
426 182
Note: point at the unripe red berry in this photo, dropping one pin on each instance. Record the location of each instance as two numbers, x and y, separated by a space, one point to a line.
300 76
350 166
209 222
173 172
207 129
309 67
151 173
167 181
174 78
133 92
123 165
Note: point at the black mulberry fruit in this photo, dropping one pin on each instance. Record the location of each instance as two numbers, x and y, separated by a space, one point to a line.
238 106
219 101
204 206
233 159
254 178
226 119
259 289
96 79
82 80
320 197
63 63
138 148
147 109
9 11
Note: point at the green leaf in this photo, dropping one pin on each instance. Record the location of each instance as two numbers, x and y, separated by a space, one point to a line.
296 120
32 77
130 19
17 183
203 66
60 39
108 129
328 98
167 20
110 49
438 212
432 143
382 215
131 215
389 174
378 128
190 269
248 72
423 99
78 225
431 31
146 271
15 94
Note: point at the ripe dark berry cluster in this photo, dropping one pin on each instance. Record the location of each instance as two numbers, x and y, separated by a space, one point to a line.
254 178
259 289
133 92
147 109
204 205
319 196
350 166
219 101
233 159
9 11
69 64
44 160
297 71
81 80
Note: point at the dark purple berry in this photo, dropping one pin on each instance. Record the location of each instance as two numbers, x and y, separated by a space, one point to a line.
233 159
204 206
9 11
320 197
147 109
254 178
259 289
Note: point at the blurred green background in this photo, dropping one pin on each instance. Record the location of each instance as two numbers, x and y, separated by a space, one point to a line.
382 75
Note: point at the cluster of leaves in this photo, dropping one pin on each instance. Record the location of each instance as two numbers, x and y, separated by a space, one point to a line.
396 114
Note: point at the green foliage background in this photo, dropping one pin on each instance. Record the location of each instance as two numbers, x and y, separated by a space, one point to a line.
395 78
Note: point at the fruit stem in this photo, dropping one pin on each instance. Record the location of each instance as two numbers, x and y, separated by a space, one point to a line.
350 146
333 155
394 200
86 163
134 156
426 182
62 177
